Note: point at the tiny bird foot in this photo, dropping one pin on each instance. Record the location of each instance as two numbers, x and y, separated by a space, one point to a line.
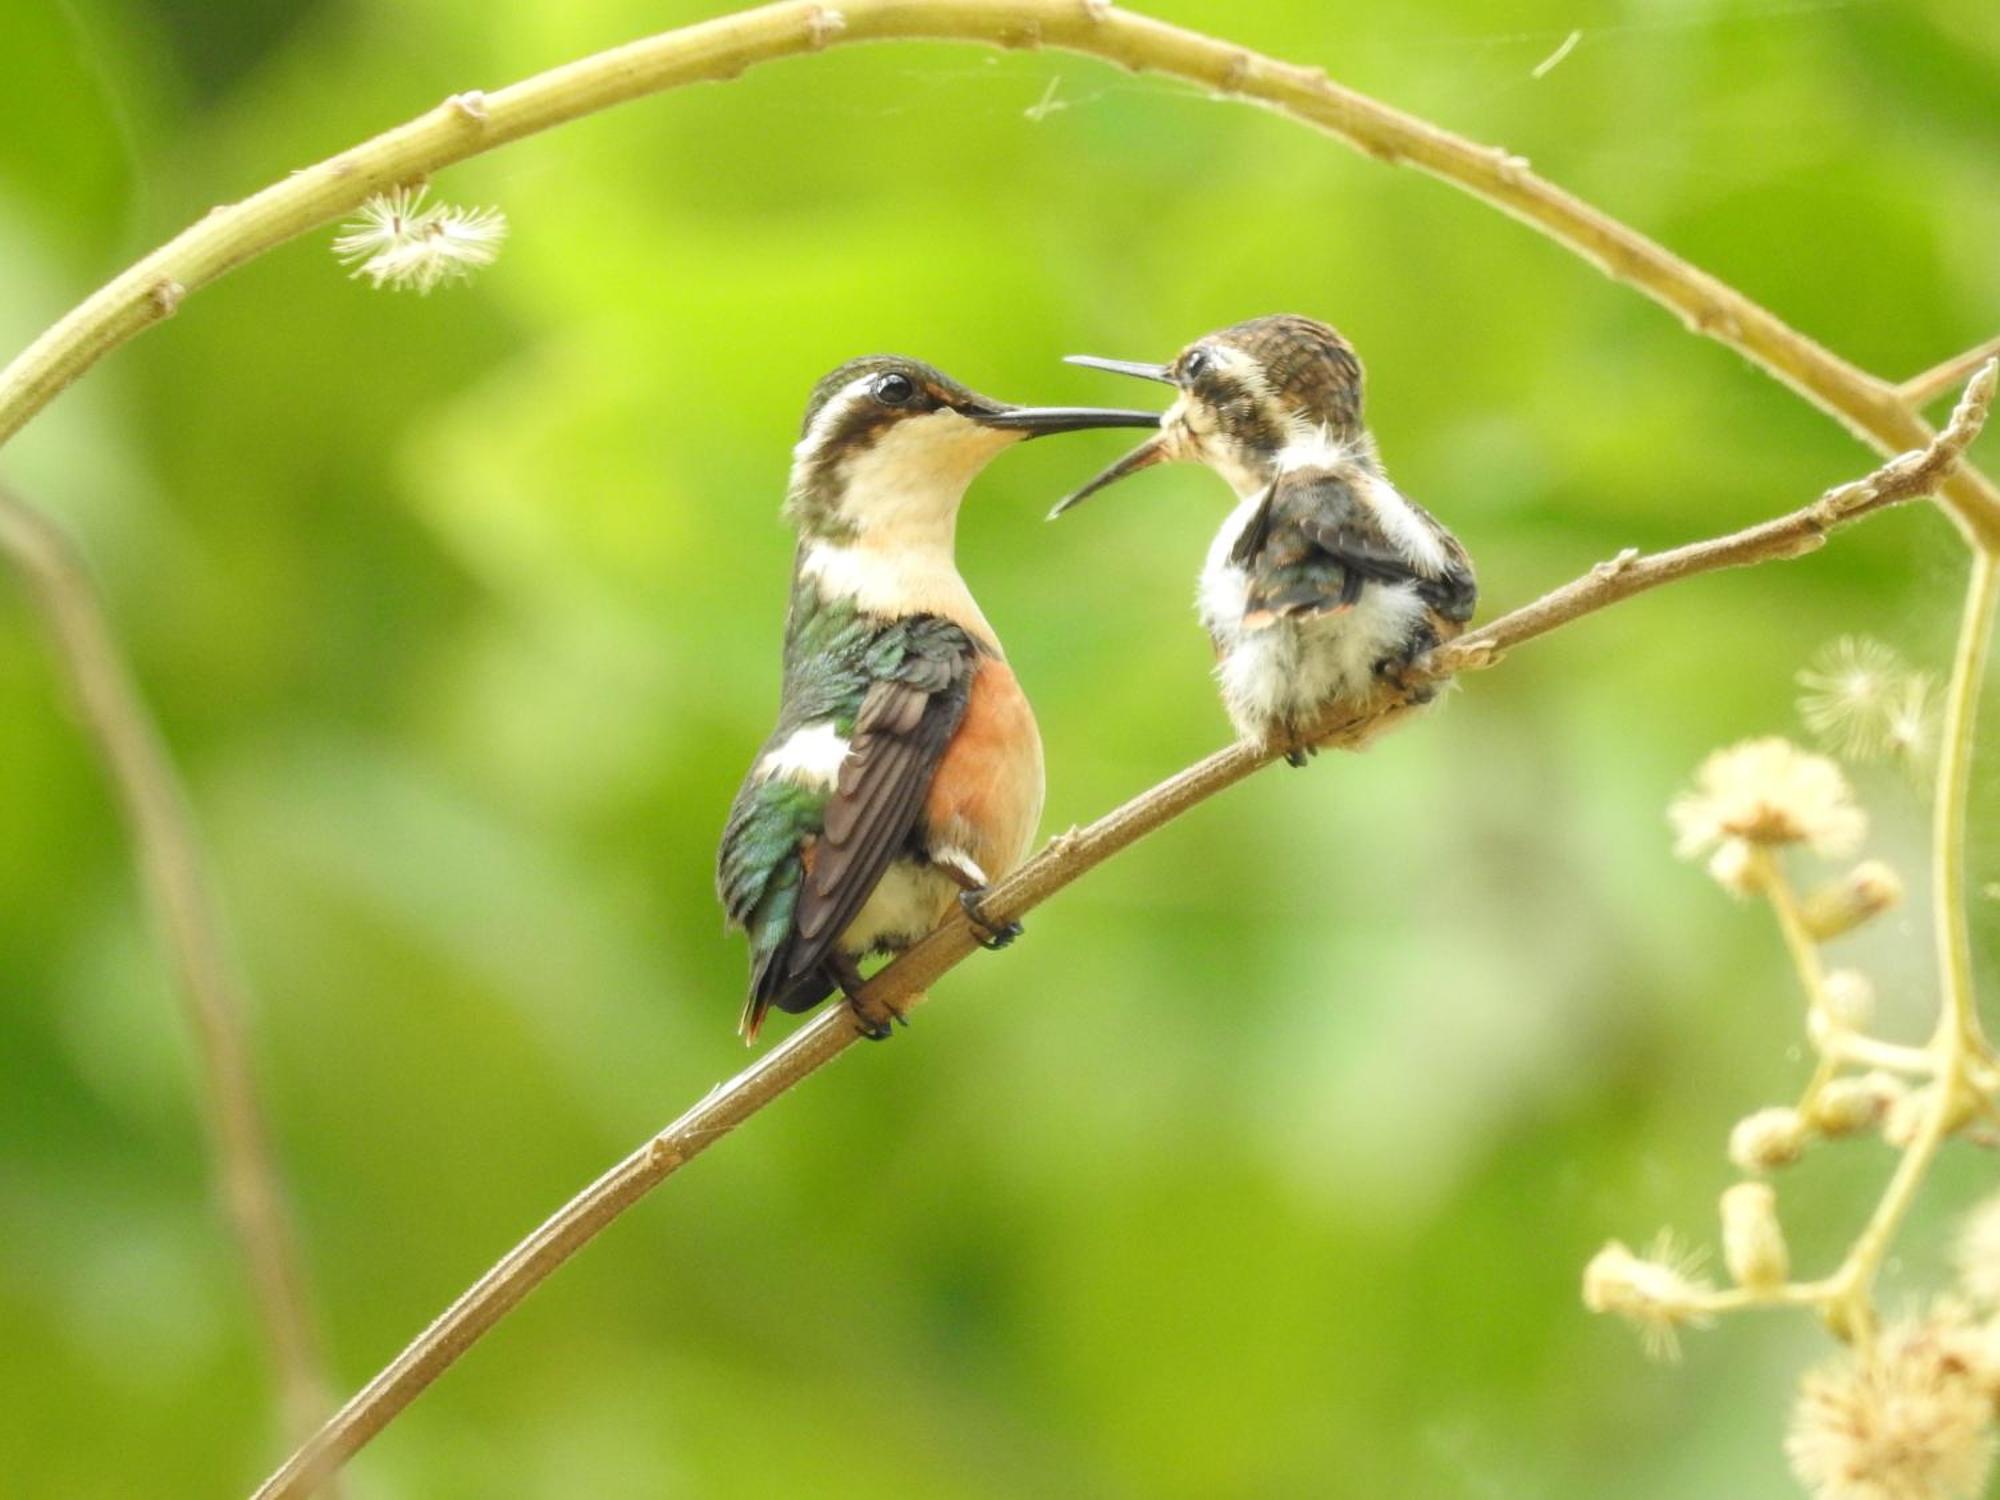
984 932
874 1019
1297 749
1400 673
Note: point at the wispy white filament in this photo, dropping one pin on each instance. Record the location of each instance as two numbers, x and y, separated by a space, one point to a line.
400 241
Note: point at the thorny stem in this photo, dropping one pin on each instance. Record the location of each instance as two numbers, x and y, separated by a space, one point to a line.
176 891
902 983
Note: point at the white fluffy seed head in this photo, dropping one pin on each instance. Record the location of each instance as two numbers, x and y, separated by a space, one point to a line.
1658 1293
399 241
1771 793
1910 1420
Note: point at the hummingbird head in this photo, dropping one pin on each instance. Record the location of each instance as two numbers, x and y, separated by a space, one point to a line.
890 444
1251 397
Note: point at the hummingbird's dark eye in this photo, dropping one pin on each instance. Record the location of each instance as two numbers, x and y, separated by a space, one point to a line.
1195 365
895 390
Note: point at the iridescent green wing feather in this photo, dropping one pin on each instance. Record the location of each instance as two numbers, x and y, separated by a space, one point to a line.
895 690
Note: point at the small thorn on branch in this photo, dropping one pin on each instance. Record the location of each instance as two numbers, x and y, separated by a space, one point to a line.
470 105
1097 12
166 296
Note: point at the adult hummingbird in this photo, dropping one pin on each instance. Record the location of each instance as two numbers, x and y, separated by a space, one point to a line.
906 768
1325 579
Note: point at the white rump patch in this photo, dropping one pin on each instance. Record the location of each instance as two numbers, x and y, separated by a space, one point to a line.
811 757
1413 538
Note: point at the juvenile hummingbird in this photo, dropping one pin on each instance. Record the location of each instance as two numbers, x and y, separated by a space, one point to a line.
1325 578
905 768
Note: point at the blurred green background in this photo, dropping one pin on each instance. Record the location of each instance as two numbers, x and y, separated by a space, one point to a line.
1267 1164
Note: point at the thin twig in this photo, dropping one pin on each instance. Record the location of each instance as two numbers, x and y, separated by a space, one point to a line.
170 873
1920 391
155 286
1905 477
1067 857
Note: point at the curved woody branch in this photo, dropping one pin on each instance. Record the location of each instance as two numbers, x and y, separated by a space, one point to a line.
176 890
469 124
902 983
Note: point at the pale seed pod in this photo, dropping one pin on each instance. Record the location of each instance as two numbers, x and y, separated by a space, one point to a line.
1753 1241
1850 998
1849 1105
1859 896
1774 1137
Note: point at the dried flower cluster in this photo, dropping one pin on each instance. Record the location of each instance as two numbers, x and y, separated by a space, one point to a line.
1908 1412
1763 795
401 241
1910 1419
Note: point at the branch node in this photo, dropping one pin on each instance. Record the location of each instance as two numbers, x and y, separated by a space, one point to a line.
1713 322
1096 12
470 105
662 1155
824 25
1241 66
1611 567
1508 167
166 296
1477 656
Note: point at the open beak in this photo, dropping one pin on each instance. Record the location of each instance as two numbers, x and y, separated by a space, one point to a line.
1152 451
1038 421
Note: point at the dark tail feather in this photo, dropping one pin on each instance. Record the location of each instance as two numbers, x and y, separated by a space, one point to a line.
1292 594
803 993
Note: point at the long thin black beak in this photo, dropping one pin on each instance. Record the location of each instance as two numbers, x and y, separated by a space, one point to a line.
1148 453
1122 367
1039 421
